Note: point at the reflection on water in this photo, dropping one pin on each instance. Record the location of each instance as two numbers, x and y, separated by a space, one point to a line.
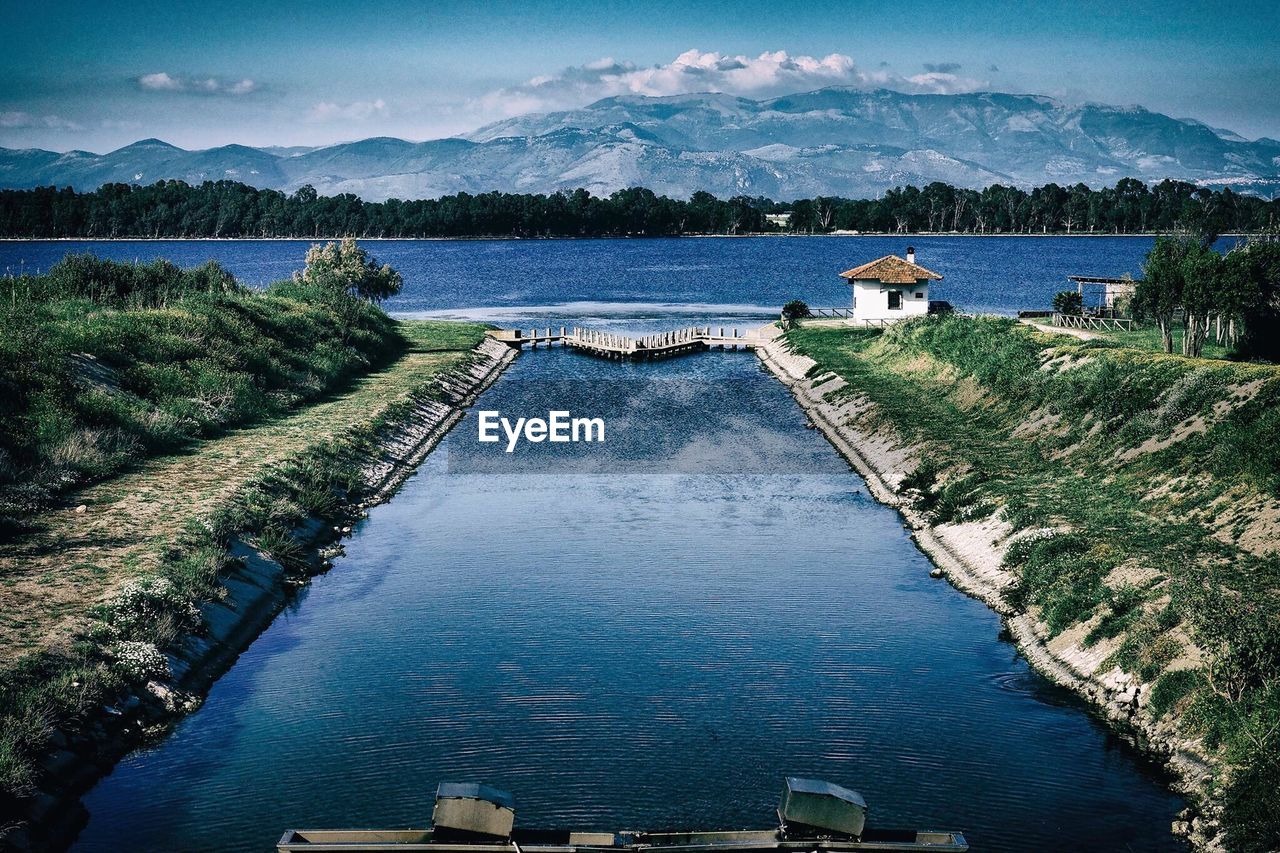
636 648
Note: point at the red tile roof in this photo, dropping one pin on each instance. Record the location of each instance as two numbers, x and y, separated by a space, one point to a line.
890 269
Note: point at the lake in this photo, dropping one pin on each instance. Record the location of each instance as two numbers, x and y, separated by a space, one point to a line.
980 274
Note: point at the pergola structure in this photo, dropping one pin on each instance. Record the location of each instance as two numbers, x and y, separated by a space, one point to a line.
1100 293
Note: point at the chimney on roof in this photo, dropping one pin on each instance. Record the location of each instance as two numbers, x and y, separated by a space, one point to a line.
911 254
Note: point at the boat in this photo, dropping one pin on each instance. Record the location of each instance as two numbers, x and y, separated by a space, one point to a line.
813 815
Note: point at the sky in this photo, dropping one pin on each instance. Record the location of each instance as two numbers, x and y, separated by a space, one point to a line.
96 76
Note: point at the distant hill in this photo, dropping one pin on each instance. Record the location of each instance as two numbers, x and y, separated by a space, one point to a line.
835 141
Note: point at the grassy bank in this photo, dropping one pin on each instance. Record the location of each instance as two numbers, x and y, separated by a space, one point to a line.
103 365
1141 496
210 411
90 598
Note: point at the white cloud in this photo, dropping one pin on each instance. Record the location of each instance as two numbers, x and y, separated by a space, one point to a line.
942 83
326 111
159 82
771 73
162 81
19 119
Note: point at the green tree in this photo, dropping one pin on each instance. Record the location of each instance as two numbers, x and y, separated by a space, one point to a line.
1250 300
795 310
1201 294
348 268
1159 295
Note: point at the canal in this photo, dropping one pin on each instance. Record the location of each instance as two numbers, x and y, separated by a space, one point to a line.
645 633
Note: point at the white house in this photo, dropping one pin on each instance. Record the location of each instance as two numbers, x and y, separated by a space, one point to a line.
890 288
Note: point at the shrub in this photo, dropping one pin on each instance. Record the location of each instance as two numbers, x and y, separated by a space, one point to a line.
920 485
1068 302
281 545
1022 543
347 268
796 309
141 603
1063 575
1190 394
127 285
961 499
1251 805
138 661
1171 688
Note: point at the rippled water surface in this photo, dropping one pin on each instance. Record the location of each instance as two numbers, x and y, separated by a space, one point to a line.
996 274
635 648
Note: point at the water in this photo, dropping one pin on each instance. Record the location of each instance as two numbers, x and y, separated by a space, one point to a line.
984 274
648 645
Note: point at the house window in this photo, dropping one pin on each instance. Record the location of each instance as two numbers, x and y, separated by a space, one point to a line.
895 300
919 294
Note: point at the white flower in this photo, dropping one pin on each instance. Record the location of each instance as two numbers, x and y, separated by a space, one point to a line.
139 661
1035 534
144 601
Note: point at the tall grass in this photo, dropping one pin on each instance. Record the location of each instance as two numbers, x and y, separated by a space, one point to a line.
103 364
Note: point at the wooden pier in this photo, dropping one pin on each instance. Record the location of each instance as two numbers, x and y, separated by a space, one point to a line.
607 345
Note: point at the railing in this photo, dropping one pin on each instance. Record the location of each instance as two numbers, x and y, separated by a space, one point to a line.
660 344
847 314
592 339
606 343
1079 321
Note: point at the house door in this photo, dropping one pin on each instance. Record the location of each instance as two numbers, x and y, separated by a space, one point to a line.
895 300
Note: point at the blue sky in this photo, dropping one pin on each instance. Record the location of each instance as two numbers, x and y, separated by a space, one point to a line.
96 76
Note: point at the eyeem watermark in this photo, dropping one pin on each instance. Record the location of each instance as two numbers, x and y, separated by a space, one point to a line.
558 427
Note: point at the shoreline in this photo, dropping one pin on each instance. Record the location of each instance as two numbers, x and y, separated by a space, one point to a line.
917 235
256 592
970 556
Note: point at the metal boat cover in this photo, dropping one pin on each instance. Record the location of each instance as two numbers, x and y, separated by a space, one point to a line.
476 791
818 786
822 805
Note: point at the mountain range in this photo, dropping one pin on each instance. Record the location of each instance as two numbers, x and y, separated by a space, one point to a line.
834 141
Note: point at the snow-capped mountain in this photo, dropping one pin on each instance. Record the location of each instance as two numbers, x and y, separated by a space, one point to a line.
834 141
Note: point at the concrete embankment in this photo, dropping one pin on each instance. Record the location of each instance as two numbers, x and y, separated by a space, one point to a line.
971 556
252 594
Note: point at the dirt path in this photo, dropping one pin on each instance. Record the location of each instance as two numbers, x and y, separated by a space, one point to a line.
1062 330
50 579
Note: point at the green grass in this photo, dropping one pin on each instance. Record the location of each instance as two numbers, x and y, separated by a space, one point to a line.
181 409
92 382
428 336
1140 516
1148 338
310 463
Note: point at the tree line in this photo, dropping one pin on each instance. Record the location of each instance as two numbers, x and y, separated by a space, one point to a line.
1236 296
226 209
